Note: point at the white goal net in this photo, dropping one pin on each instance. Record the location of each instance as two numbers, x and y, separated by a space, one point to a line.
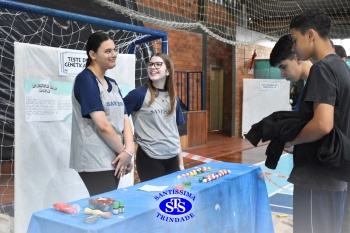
222 18
19 26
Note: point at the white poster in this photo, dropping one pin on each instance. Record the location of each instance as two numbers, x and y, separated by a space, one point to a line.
261 97
44 81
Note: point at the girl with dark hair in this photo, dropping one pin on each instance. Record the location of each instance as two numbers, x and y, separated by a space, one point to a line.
102 141
156 113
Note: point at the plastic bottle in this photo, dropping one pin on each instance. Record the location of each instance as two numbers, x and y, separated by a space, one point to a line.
116 207
121 207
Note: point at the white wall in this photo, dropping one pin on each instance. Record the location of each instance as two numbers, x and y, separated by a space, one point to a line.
343 42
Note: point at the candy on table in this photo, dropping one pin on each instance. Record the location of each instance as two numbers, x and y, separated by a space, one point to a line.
214 175
196 171
87 210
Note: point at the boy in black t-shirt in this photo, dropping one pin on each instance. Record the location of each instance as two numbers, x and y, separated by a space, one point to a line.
318 199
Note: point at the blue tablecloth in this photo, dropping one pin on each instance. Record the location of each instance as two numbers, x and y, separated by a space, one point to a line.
237 202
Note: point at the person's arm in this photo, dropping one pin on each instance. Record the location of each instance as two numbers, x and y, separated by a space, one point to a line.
124 165
181 160
128 135
179 121
320 125
134 99
107 131
111 137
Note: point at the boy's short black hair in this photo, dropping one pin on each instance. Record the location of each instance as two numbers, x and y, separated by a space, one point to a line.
282 50
316 19
340 51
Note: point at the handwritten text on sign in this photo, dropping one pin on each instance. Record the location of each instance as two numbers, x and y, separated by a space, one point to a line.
48 100
265 86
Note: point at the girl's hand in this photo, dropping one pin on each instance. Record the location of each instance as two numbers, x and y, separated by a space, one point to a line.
129 168
122 162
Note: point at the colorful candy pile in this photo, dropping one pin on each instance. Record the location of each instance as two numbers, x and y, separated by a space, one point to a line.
199 170
214 176
207 178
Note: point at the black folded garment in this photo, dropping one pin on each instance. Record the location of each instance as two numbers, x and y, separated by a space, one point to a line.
279 127
334 154
255 134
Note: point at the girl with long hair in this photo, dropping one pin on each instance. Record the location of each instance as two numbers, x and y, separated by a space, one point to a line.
156 113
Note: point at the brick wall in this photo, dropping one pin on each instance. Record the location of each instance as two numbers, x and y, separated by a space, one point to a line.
215 13
185 48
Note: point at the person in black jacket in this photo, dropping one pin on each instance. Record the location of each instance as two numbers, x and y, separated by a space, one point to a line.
318 198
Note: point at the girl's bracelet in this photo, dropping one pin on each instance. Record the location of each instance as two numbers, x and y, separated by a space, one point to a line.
131 154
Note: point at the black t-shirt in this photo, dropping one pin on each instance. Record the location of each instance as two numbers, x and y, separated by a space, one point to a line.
328 82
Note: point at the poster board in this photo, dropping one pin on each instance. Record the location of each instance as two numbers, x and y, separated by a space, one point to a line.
43 87
261 97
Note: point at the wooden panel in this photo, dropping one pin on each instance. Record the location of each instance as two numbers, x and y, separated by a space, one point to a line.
197 128
184 141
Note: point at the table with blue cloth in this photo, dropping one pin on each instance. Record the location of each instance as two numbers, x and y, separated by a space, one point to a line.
236 202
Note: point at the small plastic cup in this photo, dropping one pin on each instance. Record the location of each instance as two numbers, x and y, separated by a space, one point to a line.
187 184
178 183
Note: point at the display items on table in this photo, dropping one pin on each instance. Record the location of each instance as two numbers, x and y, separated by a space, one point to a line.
182 183
101 203
197 171
178 183
98 207
116 207
65 208
214 176
92 218
121 207
74 210
238 194
204 175
106 214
